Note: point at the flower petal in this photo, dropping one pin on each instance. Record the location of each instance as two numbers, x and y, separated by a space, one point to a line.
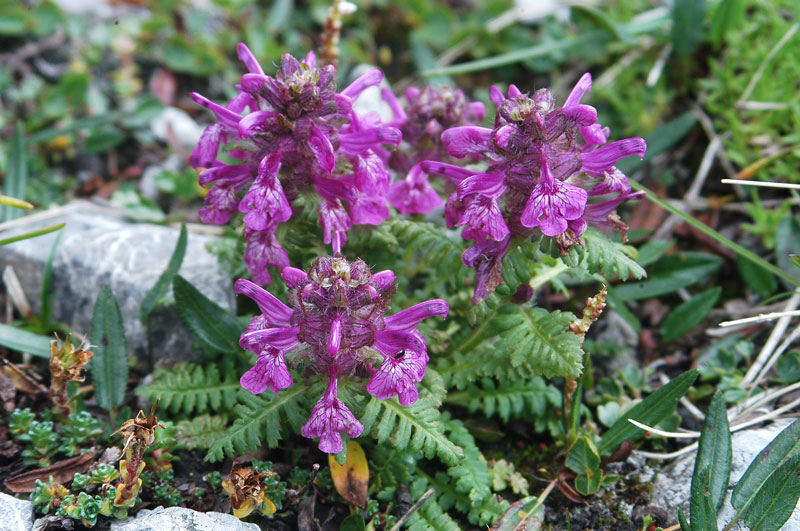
274 310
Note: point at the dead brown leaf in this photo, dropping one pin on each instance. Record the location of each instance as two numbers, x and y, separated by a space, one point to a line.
62 471
352 478
7 393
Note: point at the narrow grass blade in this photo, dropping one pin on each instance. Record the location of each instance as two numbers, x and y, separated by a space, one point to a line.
164 281
712 467
14 202
32 234
649 411
47 283
209 322
22 341
705 229
109 365
16 179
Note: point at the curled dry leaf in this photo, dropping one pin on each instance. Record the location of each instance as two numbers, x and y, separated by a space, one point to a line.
62 472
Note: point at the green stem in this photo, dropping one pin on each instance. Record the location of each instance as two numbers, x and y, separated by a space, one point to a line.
32 234
708 231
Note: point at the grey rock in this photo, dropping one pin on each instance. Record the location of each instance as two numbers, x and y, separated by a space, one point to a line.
177 122
15 514
98 247
671 487
180 519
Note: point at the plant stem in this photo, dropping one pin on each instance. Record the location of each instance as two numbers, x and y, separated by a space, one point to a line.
708 231
32 234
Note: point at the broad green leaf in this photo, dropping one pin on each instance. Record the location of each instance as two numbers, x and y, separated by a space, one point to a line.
16 179
670 274
23 341
712 467
583 457
653 250
728 15
164 281
687 28
649 411
787 241
689 314
780 450
47 282
102 140
354 522
622 309
756 278
661 140
109 365
209 322
775 501
587 484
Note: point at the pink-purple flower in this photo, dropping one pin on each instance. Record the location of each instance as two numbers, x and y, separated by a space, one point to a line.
336 326
544 164
421 118
284 134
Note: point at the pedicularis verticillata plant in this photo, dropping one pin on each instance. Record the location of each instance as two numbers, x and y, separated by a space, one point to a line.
543 172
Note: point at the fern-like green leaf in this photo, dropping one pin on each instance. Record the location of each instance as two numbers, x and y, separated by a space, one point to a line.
260 418
191 388
513 398
431 516
433 384
609 258
472 474
417 427
442 247
200 432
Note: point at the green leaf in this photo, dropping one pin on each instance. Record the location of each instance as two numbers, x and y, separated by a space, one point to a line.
523 515
757 278
22 341
794 260
102 140
661 140
472 474
682 521
610 258
787 240
777 498
670 274
32 234
687 29
261 417
688 314
354 522
781 449
192 389
211 324
109 365
47 283
712 467
649 411
728 15
587 484
510 399
161 286
417 427
16 178
583 457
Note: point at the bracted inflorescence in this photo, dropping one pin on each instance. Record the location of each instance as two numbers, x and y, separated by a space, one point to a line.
336 327
422 118
544 164
299 132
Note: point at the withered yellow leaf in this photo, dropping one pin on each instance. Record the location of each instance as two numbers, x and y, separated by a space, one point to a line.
352 478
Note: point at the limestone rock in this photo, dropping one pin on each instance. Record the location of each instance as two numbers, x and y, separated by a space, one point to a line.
15 514
99 247
181 519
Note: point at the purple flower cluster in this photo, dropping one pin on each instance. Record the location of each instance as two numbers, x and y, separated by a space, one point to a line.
544 164
299 132
336 326
427 113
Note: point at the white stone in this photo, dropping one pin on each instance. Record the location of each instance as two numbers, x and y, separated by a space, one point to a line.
186 131
181 519
15 514
98 247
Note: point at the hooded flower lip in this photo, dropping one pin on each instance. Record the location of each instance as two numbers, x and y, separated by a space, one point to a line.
337 326
545 162
299 133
